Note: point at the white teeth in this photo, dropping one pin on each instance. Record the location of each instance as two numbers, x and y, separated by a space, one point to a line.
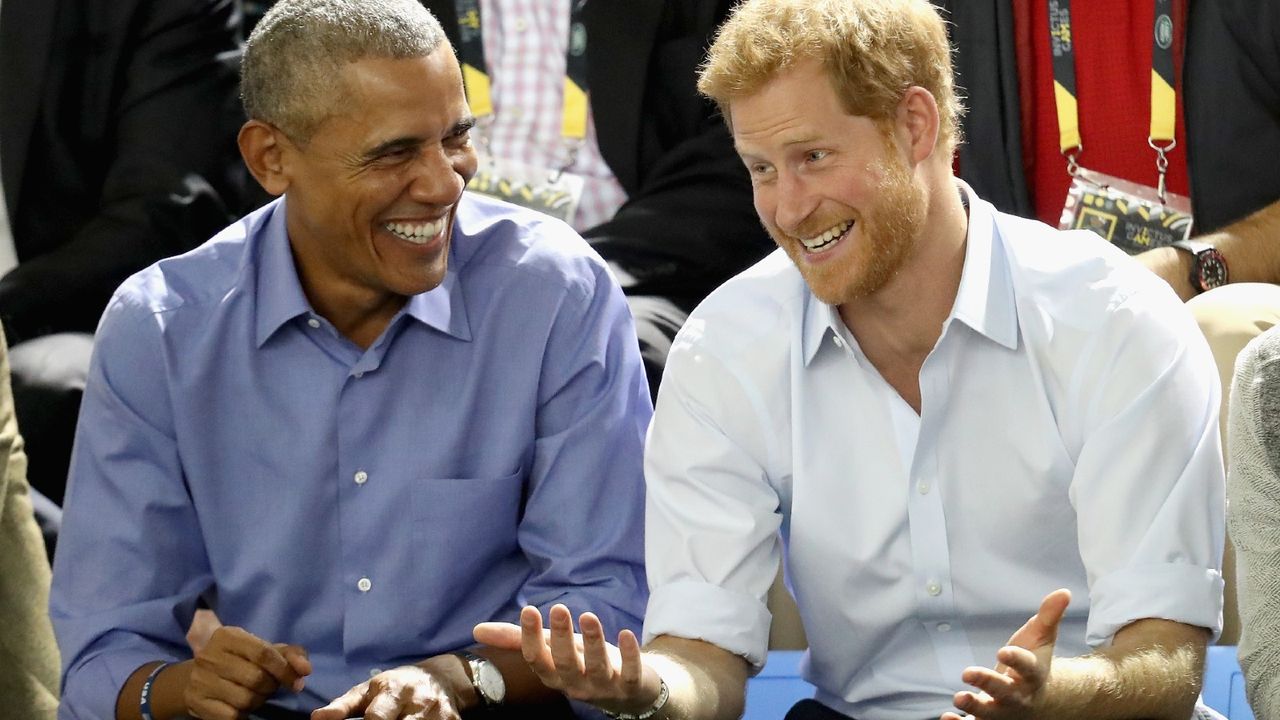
826 238
417 233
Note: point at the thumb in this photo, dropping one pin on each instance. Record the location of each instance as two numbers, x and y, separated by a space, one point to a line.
296 656
498 634
1042 628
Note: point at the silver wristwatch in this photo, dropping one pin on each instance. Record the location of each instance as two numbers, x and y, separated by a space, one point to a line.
485 678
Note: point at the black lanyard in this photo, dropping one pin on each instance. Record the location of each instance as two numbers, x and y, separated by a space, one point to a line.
476 77
1163 96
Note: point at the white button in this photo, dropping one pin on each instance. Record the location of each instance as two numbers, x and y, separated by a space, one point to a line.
364 584
361 478
944 627
933 588
839 341
923 487
521 25
313 323
374 672
516 113
359 374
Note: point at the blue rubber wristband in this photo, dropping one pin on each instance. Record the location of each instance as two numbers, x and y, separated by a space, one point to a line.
145 706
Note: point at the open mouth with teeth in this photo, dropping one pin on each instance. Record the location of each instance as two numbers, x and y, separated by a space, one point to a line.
417 233
828 239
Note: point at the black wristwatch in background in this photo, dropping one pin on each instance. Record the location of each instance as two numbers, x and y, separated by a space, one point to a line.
1208 266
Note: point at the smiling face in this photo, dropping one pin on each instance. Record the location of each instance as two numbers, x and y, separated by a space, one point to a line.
372 193
831 188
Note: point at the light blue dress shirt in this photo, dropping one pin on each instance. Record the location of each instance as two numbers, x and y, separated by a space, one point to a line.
1068 437
372 506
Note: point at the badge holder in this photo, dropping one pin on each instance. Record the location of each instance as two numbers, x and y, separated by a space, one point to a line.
555 192
1129 215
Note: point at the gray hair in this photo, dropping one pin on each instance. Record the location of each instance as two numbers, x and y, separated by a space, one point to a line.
296 52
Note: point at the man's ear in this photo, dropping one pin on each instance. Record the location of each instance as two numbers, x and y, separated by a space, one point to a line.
262 147
918 122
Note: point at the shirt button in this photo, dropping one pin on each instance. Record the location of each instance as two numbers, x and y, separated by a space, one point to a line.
361 478
521 25
313 323
838 341
933 588
923 487
374 672
364 585
359 374
516 113
944 627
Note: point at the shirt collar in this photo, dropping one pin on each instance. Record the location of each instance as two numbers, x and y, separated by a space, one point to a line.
280 297
984 301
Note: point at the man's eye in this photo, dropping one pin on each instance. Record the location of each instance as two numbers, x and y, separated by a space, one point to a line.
815 155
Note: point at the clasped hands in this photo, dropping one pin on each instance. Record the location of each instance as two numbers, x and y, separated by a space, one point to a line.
236 672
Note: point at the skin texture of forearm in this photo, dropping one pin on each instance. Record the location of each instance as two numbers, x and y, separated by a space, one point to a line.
1252 246
705 682
1152 670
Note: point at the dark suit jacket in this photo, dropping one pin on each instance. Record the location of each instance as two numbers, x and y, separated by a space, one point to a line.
689 223
1231 80
117 146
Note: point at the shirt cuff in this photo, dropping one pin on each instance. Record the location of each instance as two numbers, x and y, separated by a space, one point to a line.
1183 593
91 690
694 610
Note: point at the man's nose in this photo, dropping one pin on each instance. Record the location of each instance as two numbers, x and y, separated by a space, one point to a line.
439 177
794 203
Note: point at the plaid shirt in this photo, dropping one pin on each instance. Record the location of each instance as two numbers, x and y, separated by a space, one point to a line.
525 42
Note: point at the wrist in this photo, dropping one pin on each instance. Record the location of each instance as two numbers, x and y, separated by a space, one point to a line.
452 673
646 712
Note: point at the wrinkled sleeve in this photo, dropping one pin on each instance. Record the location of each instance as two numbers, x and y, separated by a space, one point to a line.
582 527
1253 515
130 563
1148 488
712 516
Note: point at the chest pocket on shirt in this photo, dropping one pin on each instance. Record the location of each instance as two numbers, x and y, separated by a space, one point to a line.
468 522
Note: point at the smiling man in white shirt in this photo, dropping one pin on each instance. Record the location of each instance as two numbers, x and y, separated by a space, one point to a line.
946 418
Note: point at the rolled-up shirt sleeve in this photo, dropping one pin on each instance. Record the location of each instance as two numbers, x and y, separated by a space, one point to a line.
1148 487
130 565
583 525
712 512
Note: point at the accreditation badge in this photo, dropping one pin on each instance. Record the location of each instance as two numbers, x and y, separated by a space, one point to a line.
1129 215
554 192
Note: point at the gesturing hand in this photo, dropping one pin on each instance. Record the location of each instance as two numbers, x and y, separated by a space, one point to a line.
236 672
409 692
584 667
1011 690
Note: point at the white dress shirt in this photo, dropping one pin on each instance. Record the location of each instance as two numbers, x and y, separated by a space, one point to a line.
1068 438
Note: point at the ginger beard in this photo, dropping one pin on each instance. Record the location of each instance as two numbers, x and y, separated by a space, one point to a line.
884 237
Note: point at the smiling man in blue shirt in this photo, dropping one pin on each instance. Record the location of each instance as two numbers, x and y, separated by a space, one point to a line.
361 420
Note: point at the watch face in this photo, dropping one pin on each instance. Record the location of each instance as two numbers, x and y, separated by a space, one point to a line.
1211 269
489 682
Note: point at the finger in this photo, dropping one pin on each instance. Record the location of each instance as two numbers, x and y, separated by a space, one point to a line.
265 656
1051 611
564 651
383 706
498 634
979 704
212 709
296 656
219 665
533 641
632 666
1021 663
595 649
348 704
220 690
998 685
